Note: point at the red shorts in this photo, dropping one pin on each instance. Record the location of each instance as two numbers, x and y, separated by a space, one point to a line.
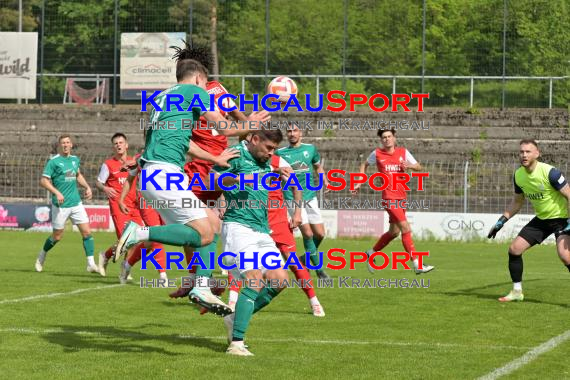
151 217
283 237
396 214
203 169
120 220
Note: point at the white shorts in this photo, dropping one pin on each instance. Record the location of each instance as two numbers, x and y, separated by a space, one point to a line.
59 216
238 238
178 206
309 215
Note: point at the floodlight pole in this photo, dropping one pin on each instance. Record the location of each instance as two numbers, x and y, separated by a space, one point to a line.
115 53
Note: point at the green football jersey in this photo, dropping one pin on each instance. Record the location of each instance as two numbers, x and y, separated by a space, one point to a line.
541 188
63 174
238 211
170 141
301 160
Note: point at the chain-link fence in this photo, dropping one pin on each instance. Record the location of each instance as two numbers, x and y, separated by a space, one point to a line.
504 40
451 186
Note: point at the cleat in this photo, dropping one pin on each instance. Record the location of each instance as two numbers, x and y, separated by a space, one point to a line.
127 240
123 276
318 310
514 295
322 274
229 323
129 277
425 267
103 261
180 292
206 299
40 261
92 268
369 253
239 349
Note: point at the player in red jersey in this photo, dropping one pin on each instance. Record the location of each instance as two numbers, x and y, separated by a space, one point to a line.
111 180
393 159
282 234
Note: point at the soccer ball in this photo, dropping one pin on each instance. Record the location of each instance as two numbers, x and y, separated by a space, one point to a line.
284 87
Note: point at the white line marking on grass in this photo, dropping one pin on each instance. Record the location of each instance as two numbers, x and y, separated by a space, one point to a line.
23 330
528 357
54 295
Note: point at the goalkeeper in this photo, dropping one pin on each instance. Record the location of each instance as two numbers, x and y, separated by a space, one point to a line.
549 193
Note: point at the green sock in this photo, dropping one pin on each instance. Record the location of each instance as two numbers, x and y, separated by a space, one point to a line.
312 249
264 298
244 311
175 234
205 256
89 245
317 242
50 242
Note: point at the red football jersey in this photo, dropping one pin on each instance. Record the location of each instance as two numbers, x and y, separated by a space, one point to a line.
116 179
276 215
391 163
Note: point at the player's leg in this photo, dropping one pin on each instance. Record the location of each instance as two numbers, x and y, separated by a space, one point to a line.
385 239
58 216
398 217
317 226
79 218
119 221
518 246
563 249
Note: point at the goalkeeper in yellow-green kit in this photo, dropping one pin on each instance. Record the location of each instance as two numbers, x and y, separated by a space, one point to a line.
548 192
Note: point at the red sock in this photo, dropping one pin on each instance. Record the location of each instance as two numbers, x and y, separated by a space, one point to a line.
160 256
136 255
109 252
408 243
303 275
384 240
235 286
188 256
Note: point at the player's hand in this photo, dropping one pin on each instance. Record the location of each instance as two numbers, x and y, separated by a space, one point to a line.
221 213
326 184
296 220
60 198
88 193
129 165
228 154
259 116
109 192
123 207
356 189
284 173
497 227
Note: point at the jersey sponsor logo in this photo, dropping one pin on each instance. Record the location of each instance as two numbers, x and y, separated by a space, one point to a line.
393 168
535 196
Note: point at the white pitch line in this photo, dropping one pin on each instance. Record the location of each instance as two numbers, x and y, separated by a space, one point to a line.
54 295
23 330
528 357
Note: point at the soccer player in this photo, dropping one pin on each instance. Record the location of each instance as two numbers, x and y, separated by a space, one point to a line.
388 160
305 159
164 157
60 177
210 140
245 229
111 180
548 192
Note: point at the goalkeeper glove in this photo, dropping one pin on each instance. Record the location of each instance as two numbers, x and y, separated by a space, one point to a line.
566 229
500 223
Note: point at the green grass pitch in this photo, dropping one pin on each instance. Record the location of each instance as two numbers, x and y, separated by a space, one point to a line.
67 323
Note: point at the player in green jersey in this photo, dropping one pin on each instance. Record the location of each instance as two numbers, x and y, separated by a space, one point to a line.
548 192
60 177
164 156
246 230
305 159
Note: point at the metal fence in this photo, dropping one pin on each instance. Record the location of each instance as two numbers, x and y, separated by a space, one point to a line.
451 187
480 53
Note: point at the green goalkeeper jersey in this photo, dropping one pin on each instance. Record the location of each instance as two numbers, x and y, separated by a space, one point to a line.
169 143
62 171
301 159
542 188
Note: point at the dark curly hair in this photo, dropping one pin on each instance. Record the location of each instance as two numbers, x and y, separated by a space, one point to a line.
196 52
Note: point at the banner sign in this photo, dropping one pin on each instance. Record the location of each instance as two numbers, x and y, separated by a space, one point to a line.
18 65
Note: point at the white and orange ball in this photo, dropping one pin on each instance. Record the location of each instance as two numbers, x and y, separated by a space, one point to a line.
284 87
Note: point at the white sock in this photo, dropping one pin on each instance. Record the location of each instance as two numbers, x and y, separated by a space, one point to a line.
142 234
314 301
42 255
91 261
517 286
127 266
416 263
233 296
163 276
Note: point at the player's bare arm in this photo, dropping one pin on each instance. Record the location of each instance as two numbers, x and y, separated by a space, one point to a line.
46 184
362 169
221 160
297 219
413 167
512 210
216 117
83 183
321 170
126 188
